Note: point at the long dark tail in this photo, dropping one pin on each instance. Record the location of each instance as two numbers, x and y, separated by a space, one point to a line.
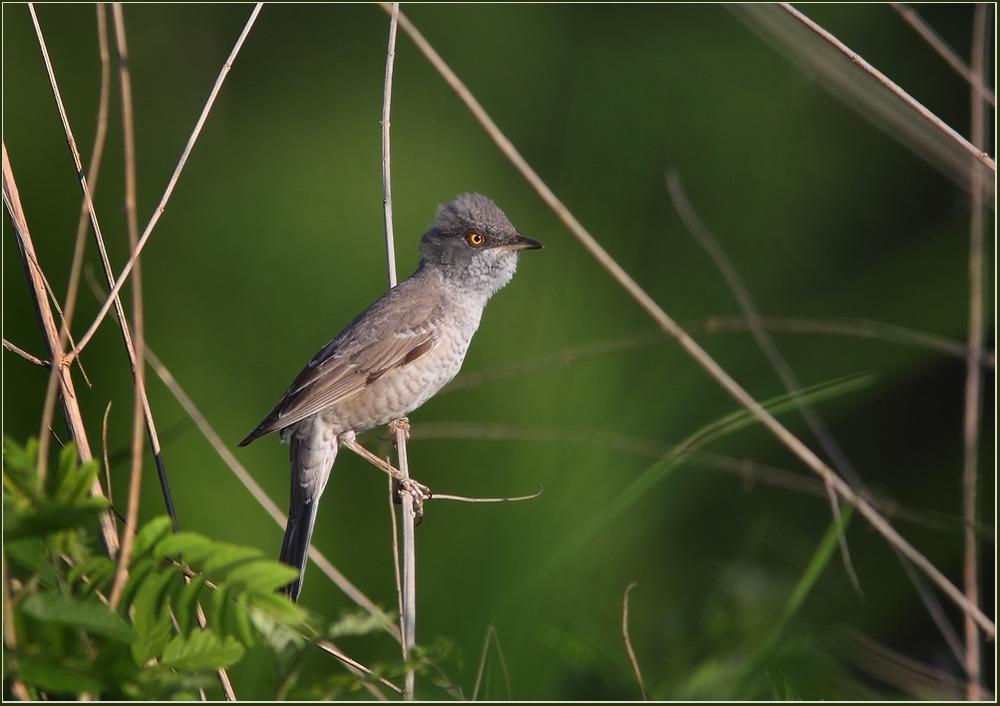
295 545
312 455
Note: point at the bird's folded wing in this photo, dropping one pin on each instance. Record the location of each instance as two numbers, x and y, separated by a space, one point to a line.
382 338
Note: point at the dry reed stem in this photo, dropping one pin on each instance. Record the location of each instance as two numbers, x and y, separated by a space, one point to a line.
488 639
949 55
70 405
628 642
138 365
688 344
938 124
972 416
408 584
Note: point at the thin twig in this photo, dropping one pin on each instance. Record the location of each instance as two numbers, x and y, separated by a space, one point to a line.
161 207
408 597
17 350
690 346
972 417
628 641
70 405
17 686
138 364
950 56
884 80
467 499
488 639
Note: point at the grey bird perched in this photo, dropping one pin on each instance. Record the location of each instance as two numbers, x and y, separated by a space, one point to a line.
393 357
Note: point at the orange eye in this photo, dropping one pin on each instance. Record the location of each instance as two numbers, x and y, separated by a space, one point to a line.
475 240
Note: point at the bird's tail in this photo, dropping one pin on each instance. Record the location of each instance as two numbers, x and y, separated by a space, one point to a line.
295 545
312 457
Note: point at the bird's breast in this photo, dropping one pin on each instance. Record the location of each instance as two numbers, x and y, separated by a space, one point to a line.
404 388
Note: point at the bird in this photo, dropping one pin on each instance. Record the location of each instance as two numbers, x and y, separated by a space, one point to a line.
392 357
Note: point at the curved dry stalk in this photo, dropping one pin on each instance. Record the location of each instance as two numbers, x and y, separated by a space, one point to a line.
467 499
359 669
628 641
686 342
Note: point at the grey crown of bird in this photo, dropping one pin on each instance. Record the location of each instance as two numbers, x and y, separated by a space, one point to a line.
393 357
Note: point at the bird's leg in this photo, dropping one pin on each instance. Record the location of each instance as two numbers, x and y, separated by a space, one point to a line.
418 491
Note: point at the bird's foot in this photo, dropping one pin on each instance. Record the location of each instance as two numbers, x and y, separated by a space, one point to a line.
418 493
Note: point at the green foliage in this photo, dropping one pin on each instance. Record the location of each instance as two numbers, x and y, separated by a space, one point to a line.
69 641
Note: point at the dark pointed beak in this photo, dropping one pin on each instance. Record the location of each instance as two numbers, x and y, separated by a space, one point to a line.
522 243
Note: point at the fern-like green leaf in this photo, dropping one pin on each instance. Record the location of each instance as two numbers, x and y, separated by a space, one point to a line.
202 650
87 614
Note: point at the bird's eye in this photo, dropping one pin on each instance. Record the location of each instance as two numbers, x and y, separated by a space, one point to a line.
475 240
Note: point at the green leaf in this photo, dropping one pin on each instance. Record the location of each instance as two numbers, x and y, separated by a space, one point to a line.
202 650
276 606
186 607
151 617
92 575
359 622
151 534
262 575
228 556
71 481
194 548
56 676
153 632
88 614
51 518
240 617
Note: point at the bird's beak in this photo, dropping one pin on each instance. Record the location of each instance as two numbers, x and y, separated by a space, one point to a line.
521 243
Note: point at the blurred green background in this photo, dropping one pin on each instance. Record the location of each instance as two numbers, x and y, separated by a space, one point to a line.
273 241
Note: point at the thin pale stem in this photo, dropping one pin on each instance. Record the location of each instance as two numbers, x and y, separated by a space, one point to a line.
628 641
950 56
972 419
884 80
138 365
408 588
70 405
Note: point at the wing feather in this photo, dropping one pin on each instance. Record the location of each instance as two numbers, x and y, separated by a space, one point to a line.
393 332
